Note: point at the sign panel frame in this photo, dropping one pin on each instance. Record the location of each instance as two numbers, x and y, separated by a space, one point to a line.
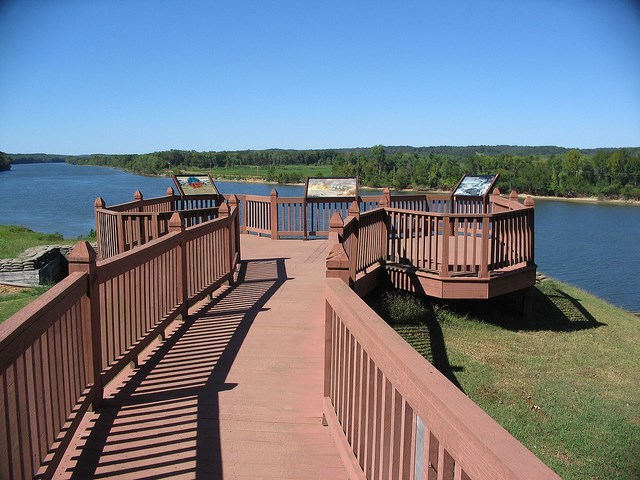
319 187
190 185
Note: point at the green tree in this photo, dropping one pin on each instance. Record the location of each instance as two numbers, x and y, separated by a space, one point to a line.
5 162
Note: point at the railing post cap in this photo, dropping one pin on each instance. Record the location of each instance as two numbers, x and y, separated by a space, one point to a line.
513 195
82 252
233 200
175 222
336 220
170 192
354 207
528 202
496 191
386 191
274 193
137 195
99 203
223 211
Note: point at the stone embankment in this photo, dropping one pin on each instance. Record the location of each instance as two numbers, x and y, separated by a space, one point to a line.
36 266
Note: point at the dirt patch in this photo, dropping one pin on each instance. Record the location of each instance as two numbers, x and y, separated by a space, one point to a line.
7 289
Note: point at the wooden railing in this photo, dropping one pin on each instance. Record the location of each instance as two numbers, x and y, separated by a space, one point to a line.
443 244
299 217
45 368
125 226
56 353
120 228
469 244
396 417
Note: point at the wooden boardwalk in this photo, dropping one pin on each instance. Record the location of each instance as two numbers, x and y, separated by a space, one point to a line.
234 392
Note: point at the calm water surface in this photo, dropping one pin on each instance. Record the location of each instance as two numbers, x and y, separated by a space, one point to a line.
592 246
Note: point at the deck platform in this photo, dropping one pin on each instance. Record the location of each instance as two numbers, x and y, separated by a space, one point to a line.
234 392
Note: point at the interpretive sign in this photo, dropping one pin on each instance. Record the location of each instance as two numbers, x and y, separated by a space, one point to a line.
332 187
474 185
195 185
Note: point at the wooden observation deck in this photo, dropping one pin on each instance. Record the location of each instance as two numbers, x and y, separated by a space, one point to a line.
187 350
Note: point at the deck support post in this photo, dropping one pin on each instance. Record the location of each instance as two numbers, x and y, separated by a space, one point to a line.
83 259
273 214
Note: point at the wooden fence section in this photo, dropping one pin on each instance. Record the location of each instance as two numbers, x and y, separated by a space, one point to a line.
57 352
45 366
396 416
443 244
120 228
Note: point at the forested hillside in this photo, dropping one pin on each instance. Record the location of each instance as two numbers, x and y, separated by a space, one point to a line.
5 161
545 170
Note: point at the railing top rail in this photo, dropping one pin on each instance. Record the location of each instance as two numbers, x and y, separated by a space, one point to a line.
456 420
141 203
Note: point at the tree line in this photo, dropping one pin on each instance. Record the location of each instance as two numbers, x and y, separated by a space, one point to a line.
545 170
5 161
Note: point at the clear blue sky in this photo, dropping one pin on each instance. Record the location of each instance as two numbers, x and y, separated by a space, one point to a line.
115 76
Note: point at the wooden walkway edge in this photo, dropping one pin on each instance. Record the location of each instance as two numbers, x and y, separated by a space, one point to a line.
236 391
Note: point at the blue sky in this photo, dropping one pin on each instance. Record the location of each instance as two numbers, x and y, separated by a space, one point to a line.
115 76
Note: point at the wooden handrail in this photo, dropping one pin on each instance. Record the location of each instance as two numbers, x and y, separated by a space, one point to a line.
56 353
397 415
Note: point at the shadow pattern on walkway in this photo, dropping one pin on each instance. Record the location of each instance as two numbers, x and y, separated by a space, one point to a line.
164 420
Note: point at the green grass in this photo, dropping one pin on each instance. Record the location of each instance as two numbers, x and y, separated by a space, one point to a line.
14 240
10 303
566 384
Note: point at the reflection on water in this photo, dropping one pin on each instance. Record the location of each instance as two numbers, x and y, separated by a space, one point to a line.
592 246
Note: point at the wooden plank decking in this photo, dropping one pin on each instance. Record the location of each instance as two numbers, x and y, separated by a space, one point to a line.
234 392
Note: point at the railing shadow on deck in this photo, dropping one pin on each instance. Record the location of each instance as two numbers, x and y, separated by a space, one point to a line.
148 424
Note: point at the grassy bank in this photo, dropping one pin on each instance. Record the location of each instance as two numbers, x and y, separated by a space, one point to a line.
14 240
565 384
13 299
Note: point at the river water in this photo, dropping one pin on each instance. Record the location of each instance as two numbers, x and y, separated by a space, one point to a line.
592 246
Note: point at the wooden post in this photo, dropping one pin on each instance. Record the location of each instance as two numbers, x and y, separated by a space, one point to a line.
513 197
224 213
529 203
234 203
177 225
336 228
170 193
243 211
354 211
273 214
484 248
83 259
99 203
385 200
338 264
447 226
138 197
